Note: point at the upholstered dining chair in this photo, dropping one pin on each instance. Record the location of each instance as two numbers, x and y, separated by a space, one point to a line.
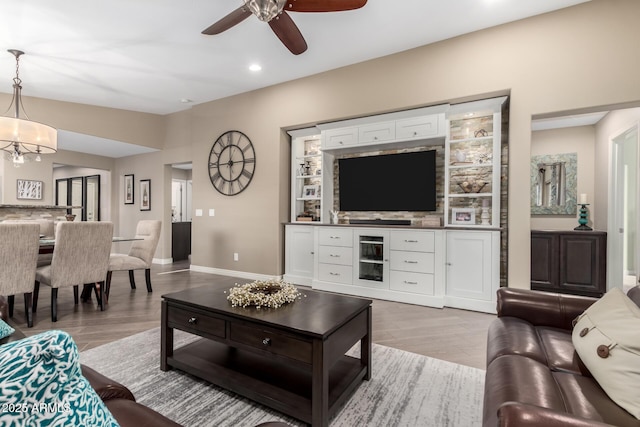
46 231
19 245
140 254
80 256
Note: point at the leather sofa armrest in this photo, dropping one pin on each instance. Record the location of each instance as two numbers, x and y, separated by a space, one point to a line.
512 414
106 388
542 308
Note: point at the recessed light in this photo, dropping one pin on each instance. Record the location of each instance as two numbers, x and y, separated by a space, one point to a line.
186 101
255 67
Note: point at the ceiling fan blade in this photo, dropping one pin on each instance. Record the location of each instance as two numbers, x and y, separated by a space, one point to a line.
323 5
288 33
234 18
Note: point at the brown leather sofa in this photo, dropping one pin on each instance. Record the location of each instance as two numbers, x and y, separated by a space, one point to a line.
534 376
118 398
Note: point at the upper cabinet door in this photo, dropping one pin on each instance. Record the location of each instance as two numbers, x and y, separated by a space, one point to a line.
339 138
418 127
377 132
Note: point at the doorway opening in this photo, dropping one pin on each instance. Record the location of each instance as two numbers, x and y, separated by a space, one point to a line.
85 188
181 211
624 218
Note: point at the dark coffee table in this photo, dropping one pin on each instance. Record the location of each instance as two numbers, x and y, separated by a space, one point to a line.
291 359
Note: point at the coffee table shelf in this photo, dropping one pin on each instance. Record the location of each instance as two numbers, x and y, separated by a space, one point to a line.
259 378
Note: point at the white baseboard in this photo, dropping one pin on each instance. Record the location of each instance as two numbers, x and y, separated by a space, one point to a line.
233 273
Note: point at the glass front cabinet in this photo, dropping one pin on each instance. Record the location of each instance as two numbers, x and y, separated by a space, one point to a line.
472 164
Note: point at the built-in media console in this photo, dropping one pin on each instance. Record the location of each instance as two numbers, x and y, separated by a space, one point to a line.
432 267
395 165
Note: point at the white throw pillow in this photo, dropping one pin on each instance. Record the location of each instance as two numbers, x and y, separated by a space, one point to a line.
607 339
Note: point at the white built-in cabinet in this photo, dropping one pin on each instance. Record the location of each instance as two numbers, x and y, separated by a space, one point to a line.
299 254
456 265
472 269
387 263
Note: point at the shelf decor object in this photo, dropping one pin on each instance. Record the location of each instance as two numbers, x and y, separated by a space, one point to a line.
263 293
463 216
584 219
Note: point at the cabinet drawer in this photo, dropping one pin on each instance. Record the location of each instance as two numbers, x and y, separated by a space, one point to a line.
418 262
196 322
419 127
418 283
335 273
338 138
271 341
336 255
335 237
412 241
377 132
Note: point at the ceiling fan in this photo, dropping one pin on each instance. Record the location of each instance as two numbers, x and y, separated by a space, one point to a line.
275 13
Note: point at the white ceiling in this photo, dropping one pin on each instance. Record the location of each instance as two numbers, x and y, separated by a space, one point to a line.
148 55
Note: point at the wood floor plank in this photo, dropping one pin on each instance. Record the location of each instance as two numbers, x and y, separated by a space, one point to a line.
458 336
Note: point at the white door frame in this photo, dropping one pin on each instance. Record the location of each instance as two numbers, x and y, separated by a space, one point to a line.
615 238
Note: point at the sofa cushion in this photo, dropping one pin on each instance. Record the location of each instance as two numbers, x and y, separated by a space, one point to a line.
41 384
607 338
584 398
5 329
519 379
545 344
511 335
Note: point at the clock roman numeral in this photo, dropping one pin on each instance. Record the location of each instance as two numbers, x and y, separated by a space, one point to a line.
213 165
247 174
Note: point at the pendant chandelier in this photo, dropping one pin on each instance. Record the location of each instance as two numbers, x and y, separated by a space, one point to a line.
265 10
19 136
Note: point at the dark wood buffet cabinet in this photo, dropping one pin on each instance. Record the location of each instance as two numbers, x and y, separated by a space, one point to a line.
570 262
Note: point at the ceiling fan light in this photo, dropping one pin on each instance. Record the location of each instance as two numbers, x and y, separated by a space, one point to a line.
265 10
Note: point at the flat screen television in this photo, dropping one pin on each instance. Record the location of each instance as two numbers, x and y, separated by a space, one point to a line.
390 182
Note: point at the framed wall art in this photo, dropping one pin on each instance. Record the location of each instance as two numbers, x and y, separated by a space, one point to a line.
145 194
29 190
129 192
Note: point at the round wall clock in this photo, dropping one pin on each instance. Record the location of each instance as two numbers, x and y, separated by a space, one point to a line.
232 162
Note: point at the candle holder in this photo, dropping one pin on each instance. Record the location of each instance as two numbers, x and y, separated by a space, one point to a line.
583 220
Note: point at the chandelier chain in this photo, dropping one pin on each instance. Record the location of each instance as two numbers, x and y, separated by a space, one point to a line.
16 79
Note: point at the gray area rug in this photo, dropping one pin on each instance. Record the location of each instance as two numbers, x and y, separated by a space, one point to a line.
406 389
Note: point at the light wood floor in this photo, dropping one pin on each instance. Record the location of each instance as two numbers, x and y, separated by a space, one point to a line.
455 335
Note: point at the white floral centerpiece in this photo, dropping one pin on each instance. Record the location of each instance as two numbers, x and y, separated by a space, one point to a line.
263 293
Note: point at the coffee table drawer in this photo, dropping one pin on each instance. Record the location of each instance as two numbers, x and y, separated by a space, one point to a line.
193 321
273 342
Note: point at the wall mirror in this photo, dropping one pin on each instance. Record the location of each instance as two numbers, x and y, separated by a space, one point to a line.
553 184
